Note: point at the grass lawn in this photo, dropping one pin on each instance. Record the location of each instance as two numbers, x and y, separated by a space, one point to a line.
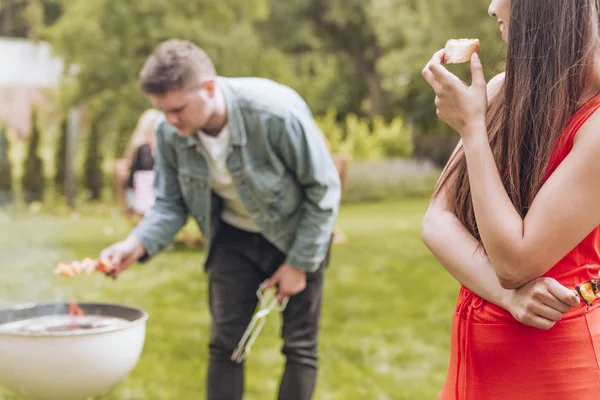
386 316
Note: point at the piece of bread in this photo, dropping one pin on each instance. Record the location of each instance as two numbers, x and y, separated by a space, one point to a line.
459 51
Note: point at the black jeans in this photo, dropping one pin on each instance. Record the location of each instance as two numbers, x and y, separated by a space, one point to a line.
237 264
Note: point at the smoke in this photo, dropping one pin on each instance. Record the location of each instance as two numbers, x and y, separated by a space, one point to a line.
27 259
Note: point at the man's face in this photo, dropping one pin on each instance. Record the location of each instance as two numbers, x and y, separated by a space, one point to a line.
188 110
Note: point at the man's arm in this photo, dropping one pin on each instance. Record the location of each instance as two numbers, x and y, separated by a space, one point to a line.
302 149
169 212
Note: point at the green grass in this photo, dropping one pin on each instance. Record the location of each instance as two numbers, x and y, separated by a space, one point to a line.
386 315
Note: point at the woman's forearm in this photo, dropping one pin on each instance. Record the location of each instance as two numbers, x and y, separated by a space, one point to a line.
458 252
499 223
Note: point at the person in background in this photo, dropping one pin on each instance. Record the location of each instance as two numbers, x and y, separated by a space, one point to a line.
139 156
134 172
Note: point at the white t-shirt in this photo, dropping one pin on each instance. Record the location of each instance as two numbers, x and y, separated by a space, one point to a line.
234 212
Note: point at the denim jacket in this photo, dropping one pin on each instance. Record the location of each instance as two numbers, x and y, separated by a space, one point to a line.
280 165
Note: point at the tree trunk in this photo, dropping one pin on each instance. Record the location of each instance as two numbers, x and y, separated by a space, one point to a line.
376 97
360 42
6 18
367 68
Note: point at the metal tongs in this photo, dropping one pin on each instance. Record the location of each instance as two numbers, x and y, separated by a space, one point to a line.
267 303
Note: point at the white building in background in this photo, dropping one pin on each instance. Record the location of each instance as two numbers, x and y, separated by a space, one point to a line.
29 76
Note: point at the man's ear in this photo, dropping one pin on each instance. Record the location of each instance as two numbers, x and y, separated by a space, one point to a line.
209 85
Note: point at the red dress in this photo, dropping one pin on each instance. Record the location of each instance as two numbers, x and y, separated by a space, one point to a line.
494 357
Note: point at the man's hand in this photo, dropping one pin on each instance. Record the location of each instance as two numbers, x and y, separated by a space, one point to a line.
122 255
541 303
289 281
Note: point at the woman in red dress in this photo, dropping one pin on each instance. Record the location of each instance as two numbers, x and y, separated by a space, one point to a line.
515 216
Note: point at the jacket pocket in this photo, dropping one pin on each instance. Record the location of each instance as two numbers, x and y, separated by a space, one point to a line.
192 189
285 197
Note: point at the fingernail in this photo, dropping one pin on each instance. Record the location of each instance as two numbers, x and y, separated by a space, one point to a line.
475 57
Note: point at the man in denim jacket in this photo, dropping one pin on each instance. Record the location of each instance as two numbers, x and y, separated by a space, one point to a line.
245 159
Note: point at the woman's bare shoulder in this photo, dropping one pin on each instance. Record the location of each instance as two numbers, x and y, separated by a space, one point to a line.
589 133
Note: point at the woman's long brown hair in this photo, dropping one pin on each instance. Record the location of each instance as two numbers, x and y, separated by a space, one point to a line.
551 53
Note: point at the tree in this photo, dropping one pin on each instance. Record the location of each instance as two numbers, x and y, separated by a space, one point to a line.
352 56
6 188
99 38
6 11
28 18
426 29
93 163
344 28
33 180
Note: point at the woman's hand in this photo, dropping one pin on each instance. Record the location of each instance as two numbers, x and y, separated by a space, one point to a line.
541 303
459 105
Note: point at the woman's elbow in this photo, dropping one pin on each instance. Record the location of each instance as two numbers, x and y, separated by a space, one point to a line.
517 271
429 227
510 284
512 281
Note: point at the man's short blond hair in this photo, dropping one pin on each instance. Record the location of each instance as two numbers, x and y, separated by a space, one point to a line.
175 65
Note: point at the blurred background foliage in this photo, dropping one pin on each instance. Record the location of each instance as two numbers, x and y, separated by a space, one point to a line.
356 62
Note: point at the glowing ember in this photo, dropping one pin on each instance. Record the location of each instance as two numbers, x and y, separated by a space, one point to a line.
74 311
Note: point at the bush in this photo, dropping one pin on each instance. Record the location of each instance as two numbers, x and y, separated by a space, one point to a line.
366 138
6 187
391 179
437 147
33 169
394 139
